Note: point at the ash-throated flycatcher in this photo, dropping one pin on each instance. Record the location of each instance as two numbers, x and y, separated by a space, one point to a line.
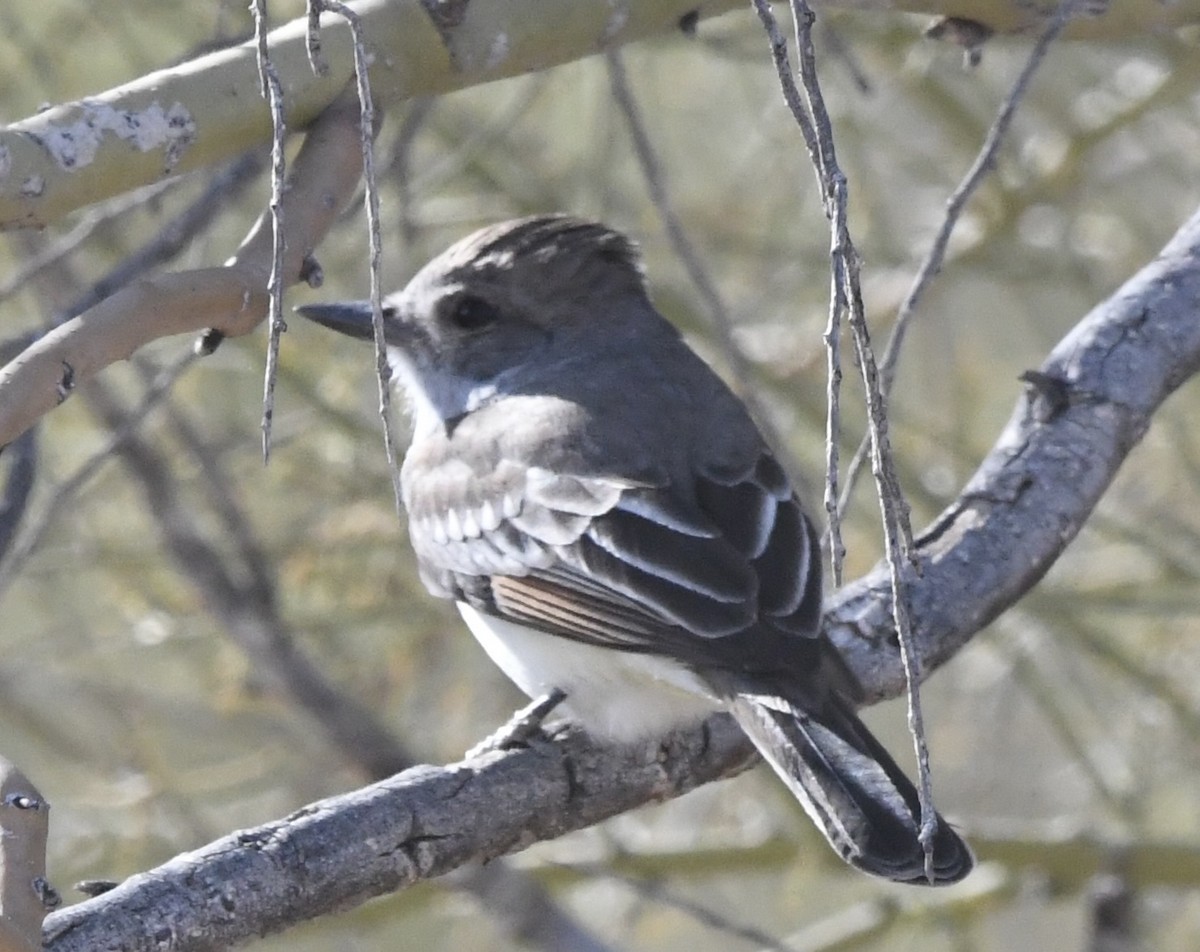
612 524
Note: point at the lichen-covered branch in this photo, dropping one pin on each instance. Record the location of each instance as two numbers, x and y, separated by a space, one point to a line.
231 298
198 113
201 112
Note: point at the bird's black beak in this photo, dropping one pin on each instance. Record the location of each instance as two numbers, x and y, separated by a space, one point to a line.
352 318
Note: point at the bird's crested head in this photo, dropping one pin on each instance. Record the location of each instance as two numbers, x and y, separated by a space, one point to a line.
505 301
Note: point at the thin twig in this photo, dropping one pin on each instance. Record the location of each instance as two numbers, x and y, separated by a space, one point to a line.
783 69
833 429
67 244
718 314
398 168
272 92
170 240
22 457
312 41
846 260
897 529
371 200
57 504
654 891
846 299
931 266
833 329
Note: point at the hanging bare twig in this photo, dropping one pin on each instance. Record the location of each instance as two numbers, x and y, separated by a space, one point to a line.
833 329
272 92
984 162
846 299
367 129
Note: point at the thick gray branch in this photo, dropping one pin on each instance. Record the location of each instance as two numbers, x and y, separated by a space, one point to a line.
1090 405
421 823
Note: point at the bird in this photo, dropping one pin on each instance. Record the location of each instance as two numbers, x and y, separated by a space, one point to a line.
614 528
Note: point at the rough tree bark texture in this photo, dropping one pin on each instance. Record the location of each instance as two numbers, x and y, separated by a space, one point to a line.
1084 409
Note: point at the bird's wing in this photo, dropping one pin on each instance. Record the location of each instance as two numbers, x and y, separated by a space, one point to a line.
723 571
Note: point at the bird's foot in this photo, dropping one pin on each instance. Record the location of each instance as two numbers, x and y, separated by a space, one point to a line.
522 728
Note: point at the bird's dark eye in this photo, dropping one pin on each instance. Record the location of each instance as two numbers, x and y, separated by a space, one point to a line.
471 313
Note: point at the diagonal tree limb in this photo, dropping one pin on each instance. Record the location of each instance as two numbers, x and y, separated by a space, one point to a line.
200 112
1090 403
422 823
1084 409
230 298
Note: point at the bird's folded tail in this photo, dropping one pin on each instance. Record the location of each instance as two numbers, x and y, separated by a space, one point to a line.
850 786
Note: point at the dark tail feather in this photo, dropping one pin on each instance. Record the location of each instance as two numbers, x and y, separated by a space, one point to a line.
850 786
